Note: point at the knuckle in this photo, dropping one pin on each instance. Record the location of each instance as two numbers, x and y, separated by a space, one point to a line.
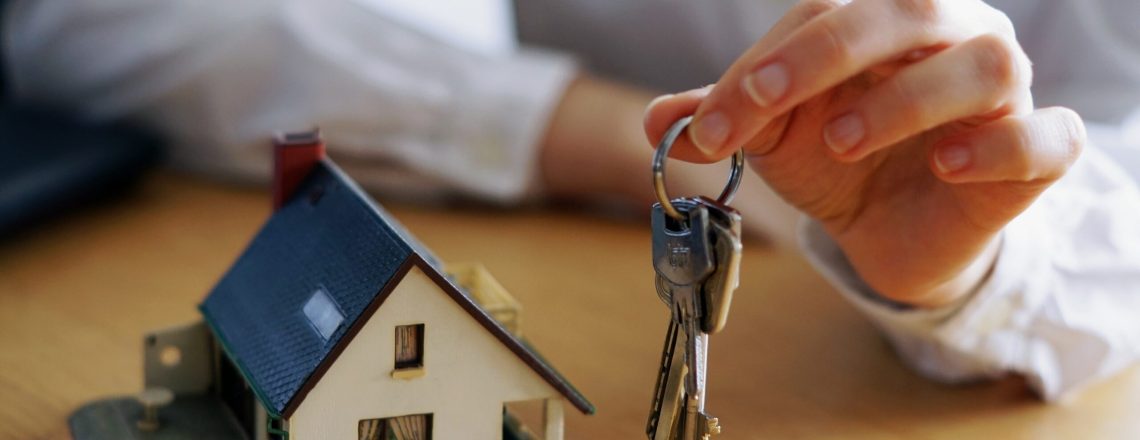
996 62
907 98
837 50
1021 157
1046 144
1074 136
923 11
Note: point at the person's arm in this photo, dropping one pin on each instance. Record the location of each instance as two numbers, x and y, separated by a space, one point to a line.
406 113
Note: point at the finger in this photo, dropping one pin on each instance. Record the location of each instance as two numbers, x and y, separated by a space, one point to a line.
826 51
663 112
987 75
1036 147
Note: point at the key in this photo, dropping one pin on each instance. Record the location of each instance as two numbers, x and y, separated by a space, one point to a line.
683 261
698 296
696 361
716 294
725 226
717 290
668 393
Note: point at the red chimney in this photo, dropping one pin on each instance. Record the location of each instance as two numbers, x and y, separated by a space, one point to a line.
294 155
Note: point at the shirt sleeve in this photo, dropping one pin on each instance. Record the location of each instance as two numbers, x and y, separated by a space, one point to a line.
407 114
1059 306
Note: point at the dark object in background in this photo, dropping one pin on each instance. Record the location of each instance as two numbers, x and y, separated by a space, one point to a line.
51 163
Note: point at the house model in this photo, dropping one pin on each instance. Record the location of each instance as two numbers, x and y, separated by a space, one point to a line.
335 323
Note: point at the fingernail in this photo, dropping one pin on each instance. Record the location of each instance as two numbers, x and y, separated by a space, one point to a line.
844 133
710 132
649 108
951 158
767 84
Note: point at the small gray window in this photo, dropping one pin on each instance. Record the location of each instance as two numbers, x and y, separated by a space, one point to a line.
323 313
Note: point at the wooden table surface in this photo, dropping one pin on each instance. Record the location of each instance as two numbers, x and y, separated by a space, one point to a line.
794 362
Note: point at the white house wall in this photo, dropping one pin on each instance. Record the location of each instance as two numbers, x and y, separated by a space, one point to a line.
469 373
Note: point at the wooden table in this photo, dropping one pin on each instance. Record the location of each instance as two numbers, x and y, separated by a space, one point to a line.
794 362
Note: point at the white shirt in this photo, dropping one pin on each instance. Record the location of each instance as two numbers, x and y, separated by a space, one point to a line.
420 99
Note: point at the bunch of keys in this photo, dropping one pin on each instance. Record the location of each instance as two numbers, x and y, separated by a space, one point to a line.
696 256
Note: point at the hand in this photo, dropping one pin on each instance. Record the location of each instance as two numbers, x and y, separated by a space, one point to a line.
906 127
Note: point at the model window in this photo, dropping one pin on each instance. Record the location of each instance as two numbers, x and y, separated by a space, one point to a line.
413 427
409 346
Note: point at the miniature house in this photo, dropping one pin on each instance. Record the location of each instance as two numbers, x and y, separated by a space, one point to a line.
335 323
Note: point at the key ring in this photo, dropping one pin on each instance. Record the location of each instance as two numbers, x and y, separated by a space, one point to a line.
659 170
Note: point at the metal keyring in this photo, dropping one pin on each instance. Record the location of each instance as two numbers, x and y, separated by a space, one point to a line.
659 170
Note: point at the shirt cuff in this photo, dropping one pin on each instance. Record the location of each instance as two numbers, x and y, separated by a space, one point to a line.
955 343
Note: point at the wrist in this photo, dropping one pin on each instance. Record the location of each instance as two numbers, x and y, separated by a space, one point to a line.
594 145
963 284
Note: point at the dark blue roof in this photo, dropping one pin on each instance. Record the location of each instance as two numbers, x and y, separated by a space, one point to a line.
328 236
